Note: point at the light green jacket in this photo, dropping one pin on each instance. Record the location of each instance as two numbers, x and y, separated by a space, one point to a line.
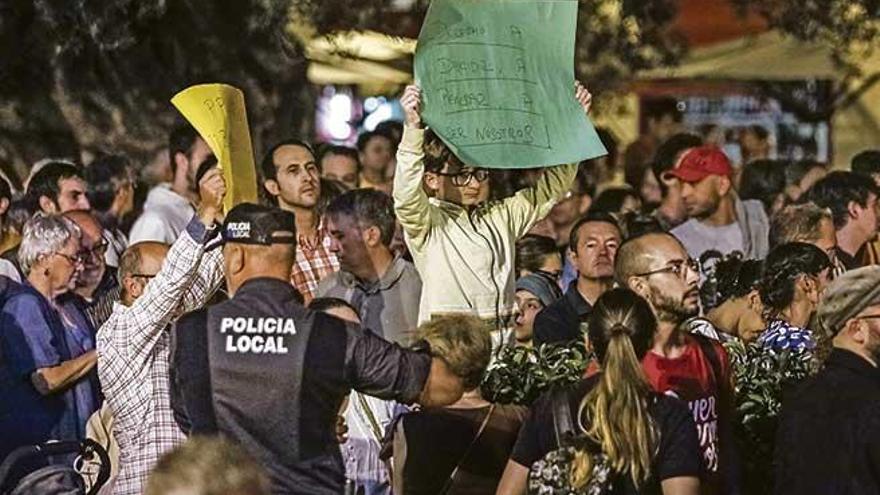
465 256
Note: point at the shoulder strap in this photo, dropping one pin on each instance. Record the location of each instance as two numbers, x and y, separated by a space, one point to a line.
467 451
563 425
708 348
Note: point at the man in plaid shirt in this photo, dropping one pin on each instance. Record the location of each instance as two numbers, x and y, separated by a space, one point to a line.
134 344
291 177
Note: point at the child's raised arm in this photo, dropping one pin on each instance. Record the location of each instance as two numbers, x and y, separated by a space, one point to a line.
532 204
410 200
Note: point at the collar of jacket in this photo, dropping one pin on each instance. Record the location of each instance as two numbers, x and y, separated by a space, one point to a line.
385 282
847 359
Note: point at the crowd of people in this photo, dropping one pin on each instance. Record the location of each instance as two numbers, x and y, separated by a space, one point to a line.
334 338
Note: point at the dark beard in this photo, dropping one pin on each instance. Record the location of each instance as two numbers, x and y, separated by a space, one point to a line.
669 309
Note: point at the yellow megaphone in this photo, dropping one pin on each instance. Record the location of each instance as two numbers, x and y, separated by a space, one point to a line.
218 113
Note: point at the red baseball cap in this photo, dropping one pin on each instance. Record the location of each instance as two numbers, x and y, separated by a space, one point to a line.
698 163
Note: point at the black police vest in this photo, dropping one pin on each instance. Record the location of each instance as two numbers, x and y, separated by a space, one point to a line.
277 383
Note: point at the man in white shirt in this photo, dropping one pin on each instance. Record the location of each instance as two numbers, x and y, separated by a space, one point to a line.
169 206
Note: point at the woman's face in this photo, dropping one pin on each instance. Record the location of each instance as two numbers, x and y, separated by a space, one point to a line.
529 306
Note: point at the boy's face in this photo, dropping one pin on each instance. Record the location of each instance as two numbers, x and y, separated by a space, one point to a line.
460 184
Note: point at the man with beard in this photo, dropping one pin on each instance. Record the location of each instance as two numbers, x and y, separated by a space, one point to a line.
719 220
691 367
292 179
828 440
96 287
169 206
593 244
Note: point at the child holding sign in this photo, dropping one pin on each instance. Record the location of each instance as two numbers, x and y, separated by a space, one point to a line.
462 244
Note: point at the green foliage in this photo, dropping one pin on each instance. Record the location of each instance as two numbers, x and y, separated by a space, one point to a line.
851 27
518 375
763 376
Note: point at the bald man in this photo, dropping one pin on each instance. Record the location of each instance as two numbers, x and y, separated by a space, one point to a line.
158 285
96 287
687 365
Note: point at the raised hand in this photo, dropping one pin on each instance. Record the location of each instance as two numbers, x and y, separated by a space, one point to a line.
212 190
583 96
411 101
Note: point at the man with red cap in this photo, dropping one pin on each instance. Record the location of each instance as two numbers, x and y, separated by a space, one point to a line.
718 219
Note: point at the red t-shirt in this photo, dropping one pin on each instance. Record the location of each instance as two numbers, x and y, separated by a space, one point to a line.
690 377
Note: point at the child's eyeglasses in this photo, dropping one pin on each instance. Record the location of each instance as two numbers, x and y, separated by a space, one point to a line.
460 179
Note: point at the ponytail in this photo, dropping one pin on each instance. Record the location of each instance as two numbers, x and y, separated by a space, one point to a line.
615 414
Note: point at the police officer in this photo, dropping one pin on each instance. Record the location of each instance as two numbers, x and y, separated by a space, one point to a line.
271 374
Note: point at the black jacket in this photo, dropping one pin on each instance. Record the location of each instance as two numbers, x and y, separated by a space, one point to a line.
828 441
560 322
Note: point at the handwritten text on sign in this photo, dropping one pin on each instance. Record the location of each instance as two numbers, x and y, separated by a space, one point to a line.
497 88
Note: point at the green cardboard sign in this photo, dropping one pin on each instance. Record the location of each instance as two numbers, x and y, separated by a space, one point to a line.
497 81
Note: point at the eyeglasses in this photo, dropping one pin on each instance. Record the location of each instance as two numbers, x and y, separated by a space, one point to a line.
868 317
97 250
679 269
142 275
460 179
73 260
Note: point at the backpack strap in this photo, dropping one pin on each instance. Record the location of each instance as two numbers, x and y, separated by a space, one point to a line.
711 353
563 425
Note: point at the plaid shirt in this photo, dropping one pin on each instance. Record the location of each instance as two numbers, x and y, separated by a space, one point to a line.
134 353
313 263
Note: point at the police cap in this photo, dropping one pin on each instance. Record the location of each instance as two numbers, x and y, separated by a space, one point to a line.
249 223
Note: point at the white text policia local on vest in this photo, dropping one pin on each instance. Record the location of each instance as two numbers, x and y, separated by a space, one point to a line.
257 335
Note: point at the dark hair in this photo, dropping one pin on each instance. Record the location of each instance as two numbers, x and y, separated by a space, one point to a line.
611 200
736 277
335 149
368 207
796 170
610 143
637 223
574 236
866 163
437 153
668 152
5 189
330 190
621 306
763 180
46 181
836 190
531 251
365 138
391 128
585 179
104 176
782 268
207 164
798 222
181 140
760 131
656 109
324 304
267 165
